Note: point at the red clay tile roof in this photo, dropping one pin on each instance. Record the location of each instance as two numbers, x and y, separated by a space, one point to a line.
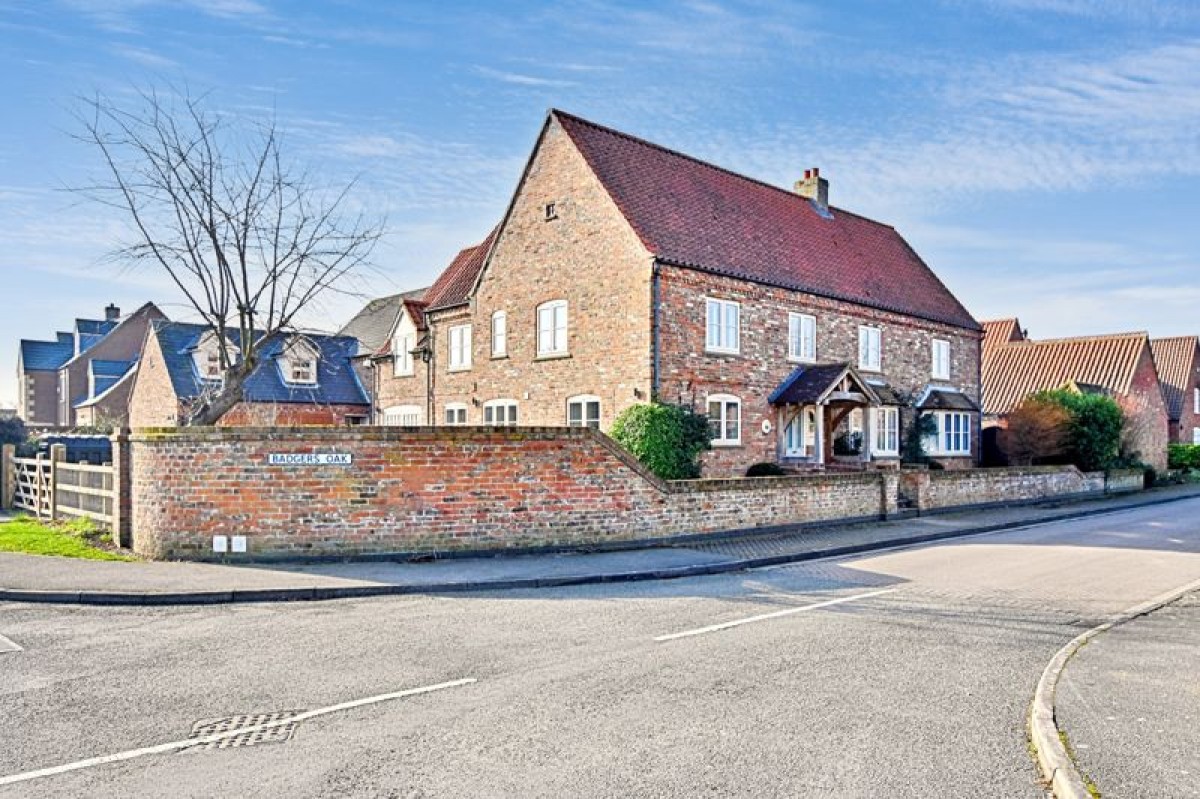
1001 331
1175 359
1011 372
693 214
453 285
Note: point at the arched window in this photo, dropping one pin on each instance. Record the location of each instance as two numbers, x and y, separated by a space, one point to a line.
552 328
403 416
500 412
583 411
499 334
456 413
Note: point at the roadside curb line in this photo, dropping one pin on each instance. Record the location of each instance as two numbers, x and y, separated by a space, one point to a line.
1064 777
318 593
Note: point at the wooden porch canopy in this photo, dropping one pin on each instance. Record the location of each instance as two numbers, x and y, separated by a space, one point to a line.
824 384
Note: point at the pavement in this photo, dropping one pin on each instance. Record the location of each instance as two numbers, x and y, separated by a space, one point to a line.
30 578
1129 703
904 673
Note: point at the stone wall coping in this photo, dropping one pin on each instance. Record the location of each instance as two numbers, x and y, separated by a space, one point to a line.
1015 471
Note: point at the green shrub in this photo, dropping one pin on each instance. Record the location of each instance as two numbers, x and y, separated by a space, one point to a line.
1093 436
923 426
765 470
667 439
1184 456
12 431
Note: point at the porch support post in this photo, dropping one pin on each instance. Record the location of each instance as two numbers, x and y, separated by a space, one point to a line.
820 437
868 413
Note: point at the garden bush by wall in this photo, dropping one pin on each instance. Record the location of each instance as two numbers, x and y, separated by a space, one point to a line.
304 492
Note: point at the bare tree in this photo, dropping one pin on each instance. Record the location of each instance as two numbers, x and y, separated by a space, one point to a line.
1036 432
247 239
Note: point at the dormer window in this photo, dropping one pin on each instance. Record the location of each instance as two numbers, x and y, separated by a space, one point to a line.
207 357
299 362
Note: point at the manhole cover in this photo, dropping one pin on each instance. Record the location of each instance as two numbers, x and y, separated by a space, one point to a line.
275 734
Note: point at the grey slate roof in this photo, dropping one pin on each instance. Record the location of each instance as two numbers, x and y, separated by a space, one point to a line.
947 401
373 324
45 356
337 383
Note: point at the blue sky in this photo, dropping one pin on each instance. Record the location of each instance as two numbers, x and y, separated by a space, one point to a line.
1041 155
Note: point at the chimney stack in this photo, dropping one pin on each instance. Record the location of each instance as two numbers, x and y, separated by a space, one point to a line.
112 313
815 188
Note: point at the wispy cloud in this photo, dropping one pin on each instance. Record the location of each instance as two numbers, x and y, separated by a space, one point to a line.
142 56
1161 12
519 79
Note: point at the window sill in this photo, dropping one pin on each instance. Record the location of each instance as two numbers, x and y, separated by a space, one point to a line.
404 374
551 356
456 369
725 353
500 357
726 444
790 359
872 369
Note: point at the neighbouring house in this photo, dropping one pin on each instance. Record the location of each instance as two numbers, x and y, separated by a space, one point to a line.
624 271
1178 363
374 327
1119 365
82 378
302 379
95 384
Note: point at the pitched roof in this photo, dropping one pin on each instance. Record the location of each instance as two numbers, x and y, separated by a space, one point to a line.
809 384
454 284
337 383
1175 359
1011 372
105 374
374 323
45 356
1001 331
94 327
941 400
693 214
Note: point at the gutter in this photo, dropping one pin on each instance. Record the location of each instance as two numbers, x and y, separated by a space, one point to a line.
655 345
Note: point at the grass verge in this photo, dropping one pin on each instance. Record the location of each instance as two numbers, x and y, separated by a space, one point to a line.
74 539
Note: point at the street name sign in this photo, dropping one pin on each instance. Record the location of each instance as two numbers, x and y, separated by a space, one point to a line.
310 459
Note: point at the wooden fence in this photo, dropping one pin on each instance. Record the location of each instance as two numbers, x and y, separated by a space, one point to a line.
51 488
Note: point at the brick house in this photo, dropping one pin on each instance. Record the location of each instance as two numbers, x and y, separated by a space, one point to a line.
375 327
1178 363
301 379
1119 365
623 271
84 376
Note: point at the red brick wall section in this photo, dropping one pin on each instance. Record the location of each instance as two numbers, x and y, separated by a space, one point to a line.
1147 427
469 489
934 490
443 489
688 374
587 255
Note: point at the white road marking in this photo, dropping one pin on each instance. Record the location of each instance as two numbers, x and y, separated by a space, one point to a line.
9 645
774 615
174 746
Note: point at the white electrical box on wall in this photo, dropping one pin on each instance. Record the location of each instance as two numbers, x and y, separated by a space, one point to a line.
220 543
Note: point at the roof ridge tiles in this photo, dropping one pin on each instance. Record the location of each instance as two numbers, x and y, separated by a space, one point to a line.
1133 334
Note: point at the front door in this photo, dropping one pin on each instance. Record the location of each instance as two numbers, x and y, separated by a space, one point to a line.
799 434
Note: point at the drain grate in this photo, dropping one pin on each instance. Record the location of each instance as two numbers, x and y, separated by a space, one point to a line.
271 735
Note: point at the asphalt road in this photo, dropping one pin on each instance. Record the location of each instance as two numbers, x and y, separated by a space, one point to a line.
916 692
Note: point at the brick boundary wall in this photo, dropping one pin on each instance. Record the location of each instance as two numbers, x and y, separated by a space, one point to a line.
931 491
472 489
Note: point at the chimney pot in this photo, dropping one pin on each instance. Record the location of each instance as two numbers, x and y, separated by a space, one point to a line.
112 313
815 188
